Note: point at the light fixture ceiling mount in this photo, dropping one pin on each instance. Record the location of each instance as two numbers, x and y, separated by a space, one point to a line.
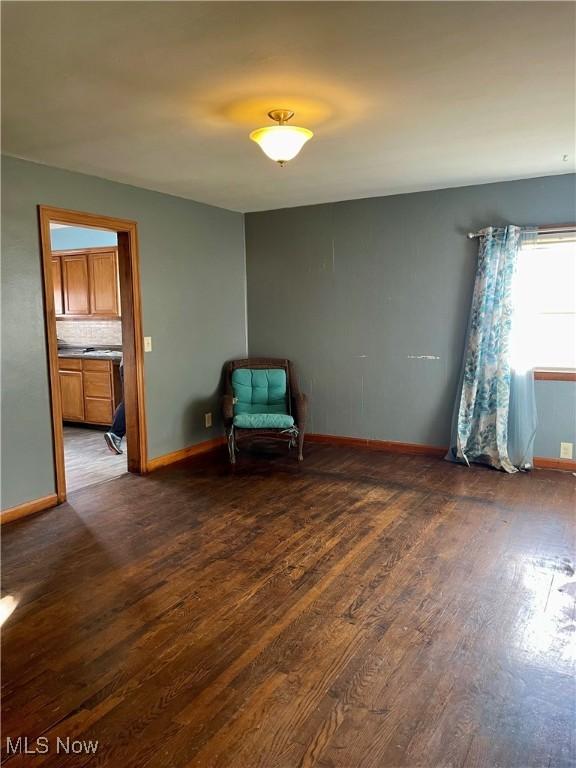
281 142
281 115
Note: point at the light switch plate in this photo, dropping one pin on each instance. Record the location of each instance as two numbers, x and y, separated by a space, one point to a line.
566 450
207 420
147 343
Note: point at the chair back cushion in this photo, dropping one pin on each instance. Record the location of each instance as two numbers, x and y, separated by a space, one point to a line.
260 390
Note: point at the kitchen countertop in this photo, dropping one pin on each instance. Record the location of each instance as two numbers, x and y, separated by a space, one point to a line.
114 355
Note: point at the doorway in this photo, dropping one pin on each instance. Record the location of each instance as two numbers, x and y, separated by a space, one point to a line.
93 322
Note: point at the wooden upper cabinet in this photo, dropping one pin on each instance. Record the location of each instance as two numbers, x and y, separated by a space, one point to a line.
103 284
57 284
75 282
86 283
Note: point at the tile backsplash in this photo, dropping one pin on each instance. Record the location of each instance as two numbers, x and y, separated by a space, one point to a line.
88 333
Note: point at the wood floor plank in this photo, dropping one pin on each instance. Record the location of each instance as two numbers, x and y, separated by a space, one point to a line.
359 609
87 459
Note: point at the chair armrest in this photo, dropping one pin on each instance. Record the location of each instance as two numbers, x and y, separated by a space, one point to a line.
300 409
227 409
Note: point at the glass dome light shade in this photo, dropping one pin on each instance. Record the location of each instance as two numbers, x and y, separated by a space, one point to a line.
281 142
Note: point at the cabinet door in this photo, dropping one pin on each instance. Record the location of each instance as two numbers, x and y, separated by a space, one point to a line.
75 280
57 285
72 395
98 411
104 284
97 384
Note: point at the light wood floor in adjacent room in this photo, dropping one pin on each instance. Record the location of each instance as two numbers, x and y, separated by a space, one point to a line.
87 458
361 610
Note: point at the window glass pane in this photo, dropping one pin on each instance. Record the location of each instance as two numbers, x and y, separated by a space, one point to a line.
552 277
545 305
556 342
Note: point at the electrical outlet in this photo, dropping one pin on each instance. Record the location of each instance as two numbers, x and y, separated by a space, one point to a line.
207 420
147 343
566 450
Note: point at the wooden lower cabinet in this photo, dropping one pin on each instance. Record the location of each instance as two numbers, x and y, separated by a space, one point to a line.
97 384
98 411
72 395
91 390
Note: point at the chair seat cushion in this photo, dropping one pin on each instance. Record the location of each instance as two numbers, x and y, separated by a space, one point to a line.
263 421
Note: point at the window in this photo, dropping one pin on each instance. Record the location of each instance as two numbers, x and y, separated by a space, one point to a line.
545 303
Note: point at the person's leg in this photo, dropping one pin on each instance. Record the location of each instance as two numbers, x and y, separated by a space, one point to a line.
118 429
119 423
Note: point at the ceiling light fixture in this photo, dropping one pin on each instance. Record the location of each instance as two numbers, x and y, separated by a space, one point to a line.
281 142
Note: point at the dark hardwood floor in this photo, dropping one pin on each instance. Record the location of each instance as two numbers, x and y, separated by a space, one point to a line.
87 459
359 610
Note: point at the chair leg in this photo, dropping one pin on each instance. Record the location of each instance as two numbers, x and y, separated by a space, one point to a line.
300 445
231 446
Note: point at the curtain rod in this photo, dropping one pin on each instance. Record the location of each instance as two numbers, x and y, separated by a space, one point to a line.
551 230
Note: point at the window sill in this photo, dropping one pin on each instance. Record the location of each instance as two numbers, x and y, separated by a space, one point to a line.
558 374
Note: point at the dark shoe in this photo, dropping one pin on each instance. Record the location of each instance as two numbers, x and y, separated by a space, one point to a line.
113 442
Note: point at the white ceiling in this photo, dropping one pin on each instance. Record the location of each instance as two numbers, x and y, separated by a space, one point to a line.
401 96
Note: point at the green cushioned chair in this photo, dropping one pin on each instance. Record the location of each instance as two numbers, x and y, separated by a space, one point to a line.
262 401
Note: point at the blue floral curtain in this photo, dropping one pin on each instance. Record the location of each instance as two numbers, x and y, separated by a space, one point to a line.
495 414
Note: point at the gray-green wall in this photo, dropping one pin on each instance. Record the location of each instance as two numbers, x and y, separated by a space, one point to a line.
194 308
371 298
